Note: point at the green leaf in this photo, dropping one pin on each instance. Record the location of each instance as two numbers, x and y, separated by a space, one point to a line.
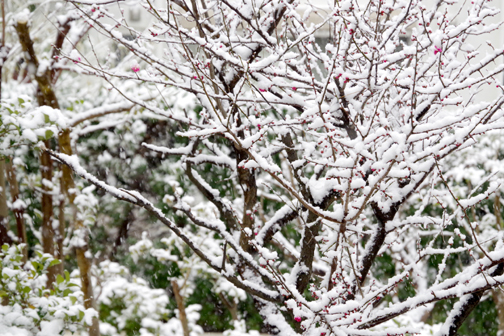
36 265
73 299
67 276
59 279
81 315
55 262
3 293
48 134
26 290
5 247
66 292
21 101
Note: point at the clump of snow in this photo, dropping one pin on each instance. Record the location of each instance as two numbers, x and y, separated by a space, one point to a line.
23 16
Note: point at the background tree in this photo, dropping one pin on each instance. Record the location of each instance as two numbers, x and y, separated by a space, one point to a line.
35 68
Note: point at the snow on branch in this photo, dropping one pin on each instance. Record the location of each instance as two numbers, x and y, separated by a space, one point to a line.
321 137
136 198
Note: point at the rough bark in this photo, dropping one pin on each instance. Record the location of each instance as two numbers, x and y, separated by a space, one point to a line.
45 96
248 184
45 92
377 239
313 225
85 275
308 251
17 210
4 237
4 210
47 211
375 244
60 237
498 297
67 184
309 242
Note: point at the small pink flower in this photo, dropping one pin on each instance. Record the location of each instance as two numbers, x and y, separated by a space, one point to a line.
77 61
135 68
297 319
262 90
437 50
294 88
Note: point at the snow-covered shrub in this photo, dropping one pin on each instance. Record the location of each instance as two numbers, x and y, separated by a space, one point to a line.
193 275
127 304
31 308
240 330
23 122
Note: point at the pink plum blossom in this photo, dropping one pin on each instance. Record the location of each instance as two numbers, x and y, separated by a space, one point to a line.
437 50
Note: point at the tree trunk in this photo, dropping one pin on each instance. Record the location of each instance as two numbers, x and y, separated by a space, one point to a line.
67 186
60 237
4 210
47 96
17 209
498 297
47 211
85 275
181 307
497 293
